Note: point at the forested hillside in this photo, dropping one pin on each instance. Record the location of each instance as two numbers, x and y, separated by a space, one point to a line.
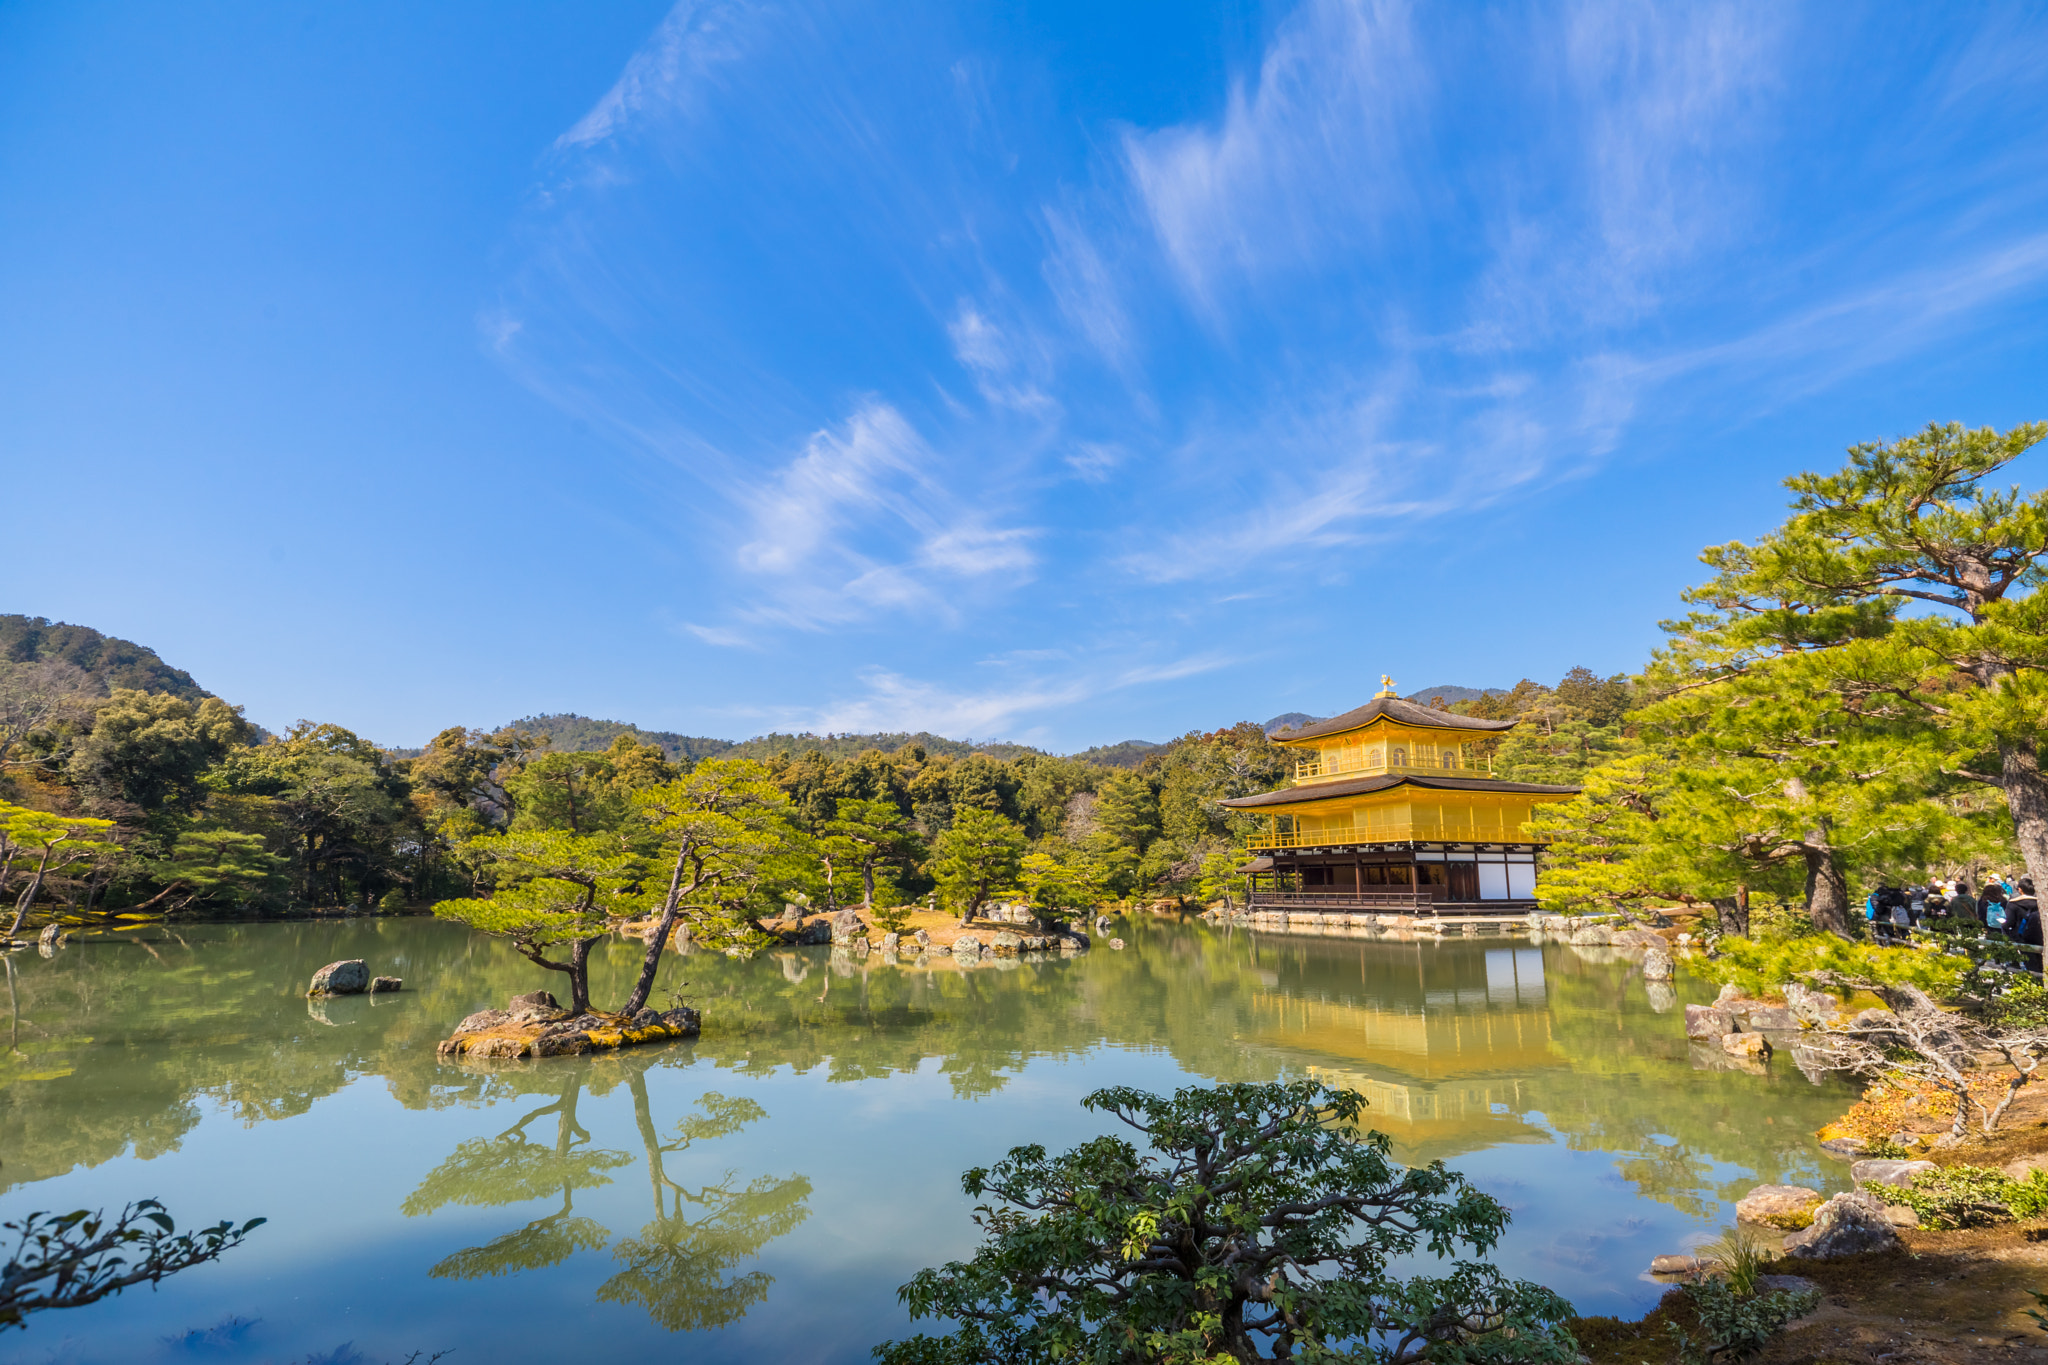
102 662
178 804
571 733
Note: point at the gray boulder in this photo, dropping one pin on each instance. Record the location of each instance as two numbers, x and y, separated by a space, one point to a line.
891 942
1811 1006
1656 965
483 1019
341 978
1676 1265
1844 1146
1874 1019
923 937
1707 1022
967 946
1897 1173
847 926
1847 1225
534 1000
1006 942
815 933
380 985
1730 993
1766 1019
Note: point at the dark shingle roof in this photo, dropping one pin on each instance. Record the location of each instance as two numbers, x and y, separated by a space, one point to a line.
1359 786
1394 709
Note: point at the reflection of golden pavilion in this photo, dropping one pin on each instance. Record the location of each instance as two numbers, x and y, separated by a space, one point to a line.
1442 1063
1391 809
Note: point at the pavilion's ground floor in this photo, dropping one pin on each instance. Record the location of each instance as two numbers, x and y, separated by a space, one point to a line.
1415 878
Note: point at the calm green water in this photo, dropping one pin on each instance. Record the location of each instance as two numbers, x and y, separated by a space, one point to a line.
760 1193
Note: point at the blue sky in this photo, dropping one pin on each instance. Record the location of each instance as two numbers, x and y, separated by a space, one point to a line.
1064 373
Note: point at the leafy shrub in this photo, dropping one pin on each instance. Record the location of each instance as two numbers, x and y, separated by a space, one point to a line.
1764 967
1970 1196
893 919
1733 1327
1260 1224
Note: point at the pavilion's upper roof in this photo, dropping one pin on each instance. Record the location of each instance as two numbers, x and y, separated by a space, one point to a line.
1360 786
1396 710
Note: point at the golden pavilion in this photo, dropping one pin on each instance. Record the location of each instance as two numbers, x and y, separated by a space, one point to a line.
1391 810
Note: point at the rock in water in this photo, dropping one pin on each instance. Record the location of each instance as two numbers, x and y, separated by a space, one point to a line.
1762 1018
50 940
1676 1265
1847 1225
380 985
1730 993
483 1019
533 1000
1708 1022
891 942
1877 1172
1006 942
1779 1206
1117 944
341 978
967 946
847 926
1752 1045
1656 965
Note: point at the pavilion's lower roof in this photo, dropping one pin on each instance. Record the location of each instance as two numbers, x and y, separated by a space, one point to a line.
1361 786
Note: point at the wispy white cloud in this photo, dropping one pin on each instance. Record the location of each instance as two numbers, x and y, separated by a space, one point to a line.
890 701
669 73
1305 164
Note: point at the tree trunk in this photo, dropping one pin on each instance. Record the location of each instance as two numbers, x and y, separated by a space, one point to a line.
28 896
650 964
867 884
671 909
1827 894
2026 794
579 976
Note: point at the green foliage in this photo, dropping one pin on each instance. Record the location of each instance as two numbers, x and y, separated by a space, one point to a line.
73 1259
151 750
225 868
1969 1196
1733 1326
108 661
1741 1259
553 890
569 733
978 859
1762 967
1259 1223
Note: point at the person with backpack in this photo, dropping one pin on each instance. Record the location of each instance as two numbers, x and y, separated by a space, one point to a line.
1961 906
1992 904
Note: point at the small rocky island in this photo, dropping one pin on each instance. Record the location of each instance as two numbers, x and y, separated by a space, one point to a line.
534 1025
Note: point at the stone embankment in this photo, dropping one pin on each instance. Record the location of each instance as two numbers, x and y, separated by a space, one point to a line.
534 1025
1003 933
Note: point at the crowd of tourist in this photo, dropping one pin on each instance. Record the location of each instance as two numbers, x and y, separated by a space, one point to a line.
2004 908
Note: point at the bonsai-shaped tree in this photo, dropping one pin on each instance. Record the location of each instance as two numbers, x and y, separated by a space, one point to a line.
1258 1226
555 890
870 834
68 1260
978 859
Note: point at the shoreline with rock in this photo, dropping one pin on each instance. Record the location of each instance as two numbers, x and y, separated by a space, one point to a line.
534 1025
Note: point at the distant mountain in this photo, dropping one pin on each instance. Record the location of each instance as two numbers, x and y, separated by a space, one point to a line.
1423 695
848 746
1127 753
108 660
574 734
1291 720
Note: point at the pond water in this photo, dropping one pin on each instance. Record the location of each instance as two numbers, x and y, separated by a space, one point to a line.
761 1192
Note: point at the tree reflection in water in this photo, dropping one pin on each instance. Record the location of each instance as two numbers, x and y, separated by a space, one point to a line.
680 1269
677 1267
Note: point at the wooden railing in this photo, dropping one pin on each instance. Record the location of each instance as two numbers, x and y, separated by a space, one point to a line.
1315 769
1392 832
